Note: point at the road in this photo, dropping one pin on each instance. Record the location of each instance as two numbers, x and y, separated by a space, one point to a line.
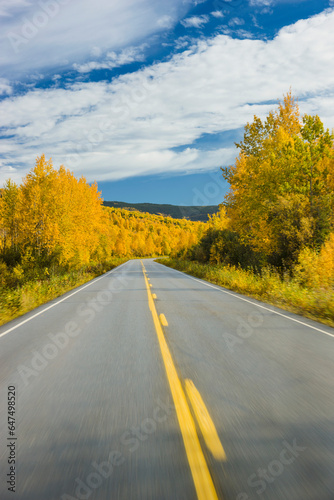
222 397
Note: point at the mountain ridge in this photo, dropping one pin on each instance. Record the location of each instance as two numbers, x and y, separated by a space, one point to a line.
193 213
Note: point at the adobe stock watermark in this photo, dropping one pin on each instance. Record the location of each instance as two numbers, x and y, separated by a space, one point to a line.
260 480
245 329
30 27
59 341
130 441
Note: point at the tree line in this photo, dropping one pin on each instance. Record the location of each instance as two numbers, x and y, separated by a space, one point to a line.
54 221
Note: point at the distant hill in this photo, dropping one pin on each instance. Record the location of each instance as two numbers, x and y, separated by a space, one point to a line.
194 213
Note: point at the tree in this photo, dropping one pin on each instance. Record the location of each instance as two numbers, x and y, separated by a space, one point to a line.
9 216
61 218
39 225
279 199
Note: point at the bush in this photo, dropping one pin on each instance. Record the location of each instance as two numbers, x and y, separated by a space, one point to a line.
316 269
19 295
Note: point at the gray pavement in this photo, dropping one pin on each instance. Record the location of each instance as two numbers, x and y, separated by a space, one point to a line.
94 412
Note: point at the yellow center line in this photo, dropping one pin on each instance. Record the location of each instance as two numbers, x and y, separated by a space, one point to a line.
199 469
163 320
205 422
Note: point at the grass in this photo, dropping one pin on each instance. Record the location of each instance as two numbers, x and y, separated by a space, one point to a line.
23 298
315 303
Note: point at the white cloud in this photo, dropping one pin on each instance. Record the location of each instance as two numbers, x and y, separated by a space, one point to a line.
5 87
166 22
217 13
261 3
184 41
236 21
132 125
9 7
195 21
197 2
96 52
114 60
265 6
58 33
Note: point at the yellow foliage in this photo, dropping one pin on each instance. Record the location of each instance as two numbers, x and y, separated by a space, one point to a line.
54 217
316 270
219 220
140 234
282 184
53 214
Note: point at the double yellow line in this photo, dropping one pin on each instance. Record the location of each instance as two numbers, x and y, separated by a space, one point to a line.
199 469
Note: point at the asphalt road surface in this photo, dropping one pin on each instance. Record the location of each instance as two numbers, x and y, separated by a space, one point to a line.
221 397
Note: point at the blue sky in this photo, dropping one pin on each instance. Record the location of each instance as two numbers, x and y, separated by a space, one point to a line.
148 97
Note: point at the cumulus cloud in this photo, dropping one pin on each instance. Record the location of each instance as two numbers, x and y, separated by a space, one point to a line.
148 121
195 21
217 13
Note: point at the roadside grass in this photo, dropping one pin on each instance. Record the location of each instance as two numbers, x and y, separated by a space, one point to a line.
18 300
287 293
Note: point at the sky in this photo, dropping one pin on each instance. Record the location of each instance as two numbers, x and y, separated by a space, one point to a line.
147 97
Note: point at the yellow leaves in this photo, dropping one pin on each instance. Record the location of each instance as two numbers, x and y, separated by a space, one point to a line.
287 116
219 220
138 234
282 184
282 138
9 215
316 269
58 214
38 224
18 272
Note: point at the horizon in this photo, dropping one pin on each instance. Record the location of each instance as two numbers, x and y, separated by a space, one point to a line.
158 204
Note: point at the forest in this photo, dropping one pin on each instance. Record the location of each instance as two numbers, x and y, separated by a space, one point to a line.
272 238
194 212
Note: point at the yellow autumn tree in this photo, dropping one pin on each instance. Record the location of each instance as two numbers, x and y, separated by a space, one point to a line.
39 228
60 216
9 216
278 200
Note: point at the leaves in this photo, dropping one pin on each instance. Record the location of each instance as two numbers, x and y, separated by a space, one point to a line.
281 194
